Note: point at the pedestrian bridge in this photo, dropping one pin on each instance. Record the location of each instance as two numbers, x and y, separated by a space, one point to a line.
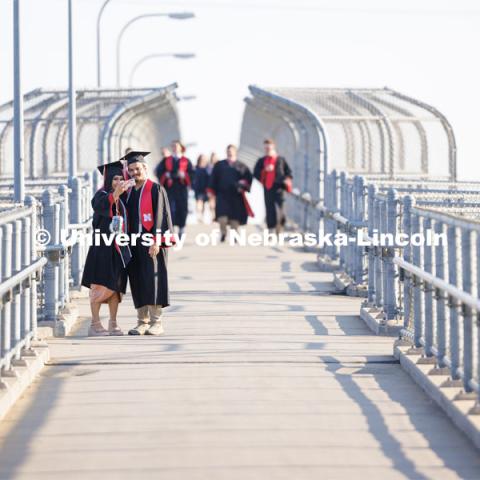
278 362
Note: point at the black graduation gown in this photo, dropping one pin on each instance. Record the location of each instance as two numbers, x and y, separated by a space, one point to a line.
147 287
104 265
201 182
178 191
224 182
275 196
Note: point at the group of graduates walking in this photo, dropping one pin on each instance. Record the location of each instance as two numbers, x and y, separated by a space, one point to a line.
129 202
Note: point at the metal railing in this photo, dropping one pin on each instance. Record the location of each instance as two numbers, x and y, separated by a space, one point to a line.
396 161
19 274
430 289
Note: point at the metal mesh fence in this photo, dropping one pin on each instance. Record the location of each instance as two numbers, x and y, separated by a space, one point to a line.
365 131
107 122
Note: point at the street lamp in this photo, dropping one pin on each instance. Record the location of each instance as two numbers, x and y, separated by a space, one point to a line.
72 108
181 56
175 16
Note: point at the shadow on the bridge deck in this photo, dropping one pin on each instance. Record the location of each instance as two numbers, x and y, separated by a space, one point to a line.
437 439
20 429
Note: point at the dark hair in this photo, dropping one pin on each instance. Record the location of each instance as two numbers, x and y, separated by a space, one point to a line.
268 141
108 180
199 158
231 146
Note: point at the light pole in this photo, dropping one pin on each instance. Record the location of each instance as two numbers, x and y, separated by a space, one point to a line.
72 110
18 133
182 56
175 16
99 52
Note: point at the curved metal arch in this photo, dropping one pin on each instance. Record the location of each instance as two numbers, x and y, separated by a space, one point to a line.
116 114
348 131
360 99
44 116
418 126
452 152
317 122
129 119
365 132
8 124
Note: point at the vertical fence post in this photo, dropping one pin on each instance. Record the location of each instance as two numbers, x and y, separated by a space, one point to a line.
383 256
349 214
378 257
343 213
50 285
16 305
467 311
333 204
477 406
25 314
452 303
75 218
30 201
6 333
360 219
407 256
389 267
372 191
417 287
440 300
65 271
428 290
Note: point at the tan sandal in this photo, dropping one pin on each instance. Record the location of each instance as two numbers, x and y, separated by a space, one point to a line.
114 330
97 331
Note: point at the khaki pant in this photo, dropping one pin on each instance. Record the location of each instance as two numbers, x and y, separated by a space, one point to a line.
223 221
150 313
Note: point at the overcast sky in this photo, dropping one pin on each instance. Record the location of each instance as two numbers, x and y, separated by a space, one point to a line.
427 49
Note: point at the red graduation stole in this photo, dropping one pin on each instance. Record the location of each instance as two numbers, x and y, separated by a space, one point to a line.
267 178
145 206
246 203
182 167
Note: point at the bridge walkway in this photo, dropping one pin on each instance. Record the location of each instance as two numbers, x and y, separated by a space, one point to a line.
264 373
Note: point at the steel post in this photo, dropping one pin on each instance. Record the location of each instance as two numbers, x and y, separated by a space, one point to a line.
428 290
72 110
441 320
453 257
467 313
18 126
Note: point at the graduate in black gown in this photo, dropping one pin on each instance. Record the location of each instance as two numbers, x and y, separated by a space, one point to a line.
274 173
229 182
105 267
148 212
175 174
200 185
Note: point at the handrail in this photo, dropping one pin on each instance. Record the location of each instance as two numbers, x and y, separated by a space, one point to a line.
19 277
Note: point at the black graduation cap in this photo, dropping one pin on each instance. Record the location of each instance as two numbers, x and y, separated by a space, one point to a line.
109 171
114 168
134 156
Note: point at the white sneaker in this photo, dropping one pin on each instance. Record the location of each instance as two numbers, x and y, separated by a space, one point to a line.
155 329
140 329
